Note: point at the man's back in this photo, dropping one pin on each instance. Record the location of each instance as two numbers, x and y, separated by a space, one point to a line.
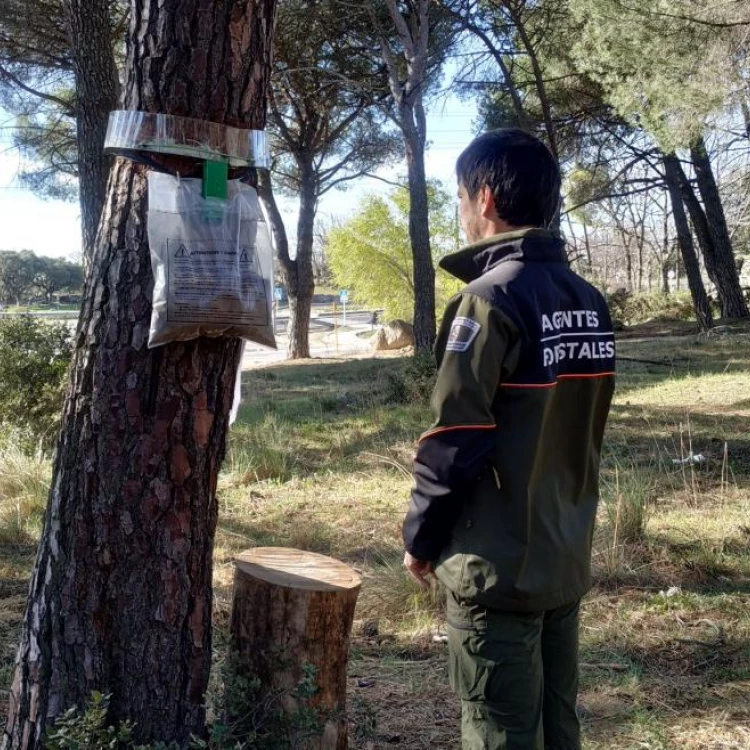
522 541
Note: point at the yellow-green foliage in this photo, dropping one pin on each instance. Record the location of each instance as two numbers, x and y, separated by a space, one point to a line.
371 253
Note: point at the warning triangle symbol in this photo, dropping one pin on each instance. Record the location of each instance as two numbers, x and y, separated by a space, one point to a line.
182 252
244 257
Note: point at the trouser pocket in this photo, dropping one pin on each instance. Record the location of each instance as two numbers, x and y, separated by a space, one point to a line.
495 668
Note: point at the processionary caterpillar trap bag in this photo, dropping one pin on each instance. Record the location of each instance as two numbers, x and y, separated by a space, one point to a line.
212 262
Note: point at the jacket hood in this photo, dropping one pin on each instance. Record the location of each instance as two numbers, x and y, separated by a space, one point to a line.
476 259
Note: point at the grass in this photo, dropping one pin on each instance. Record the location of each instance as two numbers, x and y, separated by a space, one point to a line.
24 482
319 459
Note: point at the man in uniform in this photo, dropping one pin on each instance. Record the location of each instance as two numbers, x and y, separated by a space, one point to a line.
506 480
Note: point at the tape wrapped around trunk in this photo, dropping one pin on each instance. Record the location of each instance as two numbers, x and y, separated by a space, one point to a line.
212 263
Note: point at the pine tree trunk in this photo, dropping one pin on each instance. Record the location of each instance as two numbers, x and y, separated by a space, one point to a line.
701 304
120 598
266 195
96 97
276 223
300 298
727 278
699 223
297 272
419 234
299 325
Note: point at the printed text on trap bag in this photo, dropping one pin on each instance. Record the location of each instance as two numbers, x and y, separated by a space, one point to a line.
212 263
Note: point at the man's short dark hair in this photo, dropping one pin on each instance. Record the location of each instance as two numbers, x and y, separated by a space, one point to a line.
520 171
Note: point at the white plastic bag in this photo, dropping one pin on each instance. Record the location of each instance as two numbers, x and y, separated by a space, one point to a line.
212 263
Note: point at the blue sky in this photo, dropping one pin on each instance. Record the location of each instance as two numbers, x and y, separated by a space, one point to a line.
52 227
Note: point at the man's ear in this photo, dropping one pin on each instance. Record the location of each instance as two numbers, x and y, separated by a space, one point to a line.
486 202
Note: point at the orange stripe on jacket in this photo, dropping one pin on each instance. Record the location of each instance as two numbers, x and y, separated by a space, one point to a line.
582 376
437 430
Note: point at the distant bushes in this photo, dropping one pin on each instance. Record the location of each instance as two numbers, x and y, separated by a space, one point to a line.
633 308
34 360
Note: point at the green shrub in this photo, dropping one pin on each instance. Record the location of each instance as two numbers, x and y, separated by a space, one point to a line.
413 384
88 729
34 360
640 308
246 719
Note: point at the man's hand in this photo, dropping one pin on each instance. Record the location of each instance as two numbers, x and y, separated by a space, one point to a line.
418 569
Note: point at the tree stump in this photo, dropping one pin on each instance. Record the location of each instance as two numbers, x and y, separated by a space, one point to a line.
292 613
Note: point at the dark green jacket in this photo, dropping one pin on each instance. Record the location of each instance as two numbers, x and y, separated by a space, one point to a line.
506 480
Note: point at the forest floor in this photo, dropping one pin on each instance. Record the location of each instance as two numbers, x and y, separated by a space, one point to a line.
319 459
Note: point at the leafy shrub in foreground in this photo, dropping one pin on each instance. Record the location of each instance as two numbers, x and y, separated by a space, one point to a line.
34 360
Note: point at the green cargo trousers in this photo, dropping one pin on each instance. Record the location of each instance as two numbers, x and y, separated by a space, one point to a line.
516 675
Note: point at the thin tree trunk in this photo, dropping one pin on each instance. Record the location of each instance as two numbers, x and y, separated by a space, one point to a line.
120 598
733 304
641 239
587 242
419 234
701 304
300 295
666 251
539 82
625 240
96 96
297 272
276 223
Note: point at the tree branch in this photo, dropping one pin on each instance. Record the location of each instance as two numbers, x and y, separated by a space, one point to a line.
6 75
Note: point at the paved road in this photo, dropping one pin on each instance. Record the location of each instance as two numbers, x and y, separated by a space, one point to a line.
326 338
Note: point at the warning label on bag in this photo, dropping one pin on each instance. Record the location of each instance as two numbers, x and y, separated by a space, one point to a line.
215 281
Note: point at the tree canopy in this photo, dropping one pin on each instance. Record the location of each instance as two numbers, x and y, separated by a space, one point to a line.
371 253
25 276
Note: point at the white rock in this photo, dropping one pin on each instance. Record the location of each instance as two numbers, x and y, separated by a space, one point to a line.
395 335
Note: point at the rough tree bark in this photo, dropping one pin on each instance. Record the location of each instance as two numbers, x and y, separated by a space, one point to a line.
276 222
120 598
96 96
701 304
727 278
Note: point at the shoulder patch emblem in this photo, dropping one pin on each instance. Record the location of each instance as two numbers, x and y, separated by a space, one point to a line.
463 332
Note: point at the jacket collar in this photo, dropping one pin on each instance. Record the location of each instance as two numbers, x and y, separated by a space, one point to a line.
476 259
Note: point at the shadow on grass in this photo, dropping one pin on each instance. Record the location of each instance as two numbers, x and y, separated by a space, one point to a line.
658 436
659 562
648 363
682 667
